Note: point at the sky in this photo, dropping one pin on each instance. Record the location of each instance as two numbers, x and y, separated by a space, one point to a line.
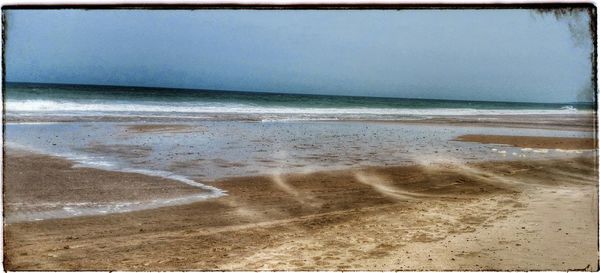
495 55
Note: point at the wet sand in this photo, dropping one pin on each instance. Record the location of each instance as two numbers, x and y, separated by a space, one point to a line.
574 122
36 182
162 128
565 143
584 121
513 215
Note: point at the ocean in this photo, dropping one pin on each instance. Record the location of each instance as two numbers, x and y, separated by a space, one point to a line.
25 99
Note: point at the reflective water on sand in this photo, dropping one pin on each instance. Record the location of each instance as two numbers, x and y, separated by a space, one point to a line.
197 153
212 150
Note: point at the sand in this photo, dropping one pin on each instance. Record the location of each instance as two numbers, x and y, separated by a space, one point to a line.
573 122
513 215
583 121
162 128
565 143
37 183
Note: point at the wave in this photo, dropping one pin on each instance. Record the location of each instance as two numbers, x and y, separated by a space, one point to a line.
129 108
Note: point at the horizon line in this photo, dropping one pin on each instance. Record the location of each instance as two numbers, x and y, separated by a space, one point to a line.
5 82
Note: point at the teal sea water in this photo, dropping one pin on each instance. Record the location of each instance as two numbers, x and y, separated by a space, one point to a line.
52 99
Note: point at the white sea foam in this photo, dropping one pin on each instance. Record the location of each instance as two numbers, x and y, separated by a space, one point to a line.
85 209
94 162
129 108
569 108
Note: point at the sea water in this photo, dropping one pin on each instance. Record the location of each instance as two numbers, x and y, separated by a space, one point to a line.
43 100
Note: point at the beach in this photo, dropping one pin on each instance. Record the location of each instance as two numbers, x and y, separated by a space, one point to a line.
398 137
503 211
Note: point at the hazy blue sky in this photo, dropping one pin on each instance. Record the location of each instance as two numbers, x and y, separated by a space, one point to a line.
512 55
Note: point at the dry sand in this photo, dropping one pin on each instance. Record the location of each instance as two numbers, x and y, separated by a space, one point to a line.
514 215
